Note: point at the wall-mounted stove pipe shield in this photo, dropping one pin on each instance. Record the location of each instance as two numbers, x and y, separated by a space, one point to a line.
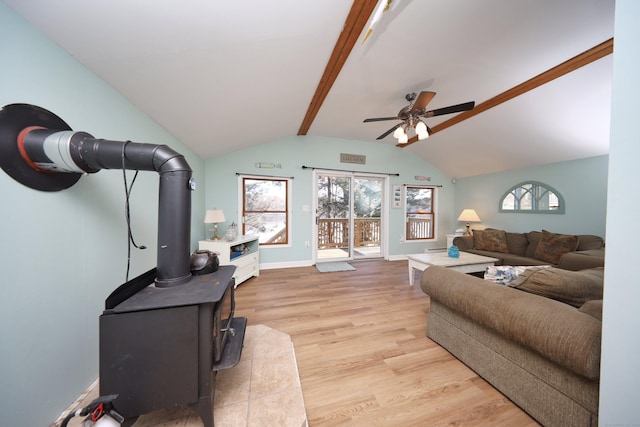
14 119
39 150
49 150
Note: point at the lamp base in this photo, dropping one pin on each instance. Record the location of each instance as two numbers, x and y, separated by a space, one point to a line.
215 233
468 233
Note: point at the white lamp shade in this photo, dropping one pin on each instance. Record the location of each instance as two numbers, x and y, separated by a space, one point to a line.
403 139
214 216
398 132
469 215
422 130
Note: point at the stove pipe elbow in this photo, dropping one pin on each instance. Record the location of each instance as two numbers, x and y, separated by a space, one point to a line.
78 152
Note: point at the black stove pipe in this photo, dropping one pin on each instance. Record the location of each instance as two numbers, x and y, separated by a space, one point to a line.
78 152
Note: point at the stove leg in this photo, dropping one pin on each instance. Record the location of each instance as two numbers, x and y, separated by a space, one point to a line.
204 405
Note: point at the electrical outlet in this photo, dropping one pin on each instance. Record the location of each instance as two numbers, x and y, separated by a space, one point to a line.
306 244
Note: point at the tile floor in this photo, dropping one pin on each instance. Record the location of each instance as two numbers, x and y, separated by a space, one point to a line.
262 390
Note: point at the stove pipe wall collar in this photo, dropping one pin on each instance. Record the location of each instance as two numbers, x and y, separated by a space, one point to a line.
39 150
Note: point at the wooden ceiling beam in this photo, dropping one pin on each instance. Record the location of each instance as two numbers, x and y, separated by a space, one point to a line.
578 61
358 17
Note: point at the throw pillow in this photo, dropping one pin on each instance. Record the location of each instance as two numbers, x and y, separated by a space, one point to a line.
490 240
571 287
552 246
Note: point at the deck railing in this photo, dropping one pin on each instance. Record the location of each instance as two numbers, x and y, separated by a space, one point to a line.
366 232
334 232
419 228
279 237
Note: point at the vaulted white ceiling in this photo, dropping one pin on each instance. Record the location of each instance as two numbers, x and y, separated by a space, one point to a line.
227 75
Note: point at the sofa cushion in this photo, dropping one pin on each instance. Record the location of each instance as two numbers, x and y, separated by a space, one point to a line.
517 243
588 242
463 243
580 260
533 237
511 259
571 287
592 308
552 246
490 240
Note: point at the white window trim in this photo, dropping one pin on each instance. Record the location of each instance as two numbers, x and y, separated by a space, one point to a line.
434 202
289 207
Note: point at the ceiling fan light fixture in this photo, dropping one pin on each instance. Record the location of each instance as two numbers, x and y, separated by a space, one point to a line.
398 132
412 116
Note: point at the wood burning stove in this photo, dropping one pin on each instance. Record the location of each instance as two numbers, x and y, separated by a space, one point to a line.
164 334
161 347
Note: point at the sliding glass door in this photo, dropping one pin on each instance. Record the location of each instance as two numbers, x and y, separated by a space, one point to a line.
367 219
333 217
348 216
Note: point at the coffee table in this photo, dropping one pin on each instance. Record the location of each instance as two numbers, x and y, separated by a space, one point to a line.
466 263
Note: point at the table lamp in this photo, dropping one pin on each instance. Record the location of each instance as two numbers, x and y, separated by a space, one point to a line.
214 216
469 215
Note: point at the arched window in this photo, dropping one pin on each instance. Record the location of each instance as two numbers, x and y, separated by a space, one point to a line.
532 197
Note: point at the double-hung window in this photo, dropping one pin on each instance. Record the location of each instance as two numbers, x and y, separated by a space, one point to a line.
265 209
419 212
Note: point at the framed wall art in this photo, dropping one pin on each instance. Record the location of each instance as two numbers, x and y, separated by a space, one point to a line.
397 197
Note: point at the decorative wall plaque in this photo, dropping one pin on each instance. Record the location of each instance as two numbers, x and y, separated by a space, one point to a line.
353 158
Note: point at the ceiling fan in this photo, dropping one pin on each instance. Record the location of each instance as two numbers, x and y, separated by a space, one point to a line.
412 116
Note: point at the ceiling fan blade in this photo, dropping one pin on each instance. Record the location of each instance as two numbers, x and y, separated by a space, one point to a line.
449 110
423 99
379 119
389 131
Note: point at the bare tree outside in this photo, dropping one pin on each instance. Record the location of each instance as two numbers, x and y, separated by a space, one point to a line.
265 209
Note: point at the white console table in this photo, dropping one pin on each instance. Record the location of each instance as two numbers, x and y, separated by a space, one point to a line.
243 252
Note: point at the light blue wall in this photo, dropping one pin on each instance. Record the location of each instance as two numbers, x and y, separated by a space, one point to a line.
63 253
582 183
620 372
294 152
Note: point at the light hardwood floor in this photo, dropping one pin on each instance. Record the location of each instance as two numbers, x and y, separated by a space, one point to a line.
362 351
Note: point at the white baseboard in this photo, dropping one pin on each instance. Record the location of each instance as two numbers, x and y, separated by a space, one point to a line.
309 263
288 264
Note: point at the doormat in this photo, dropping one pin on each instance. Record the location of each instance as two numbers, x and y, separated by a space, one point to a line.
330 267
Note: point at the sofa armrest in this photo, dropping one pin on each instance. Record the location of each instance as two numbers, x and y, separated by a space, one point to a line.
579 260
553 329
464 243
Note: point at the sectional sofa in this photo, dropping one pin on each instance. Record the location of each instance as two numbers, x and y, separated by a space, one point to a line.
537 339
569 252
